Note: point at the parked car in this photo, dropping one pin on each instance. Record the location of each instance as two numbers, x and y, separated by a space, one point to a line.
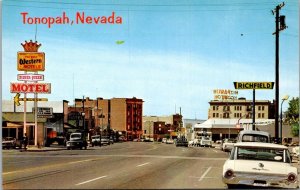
170 141
228 144
295 151
260 164
164 140
111 140
77 140
105 140
8 143
181 141
95 140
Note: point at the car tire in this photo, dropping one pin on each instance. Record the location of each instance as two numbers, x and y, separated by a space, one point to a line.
231 186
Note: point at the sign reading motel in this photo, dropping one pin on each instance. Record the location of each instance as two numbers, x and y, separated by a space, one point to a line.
43 88
30 77
31 61
253 85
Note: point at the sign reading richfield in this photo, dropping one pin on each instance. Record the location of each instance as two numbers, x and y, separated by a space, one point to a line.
253 85
31 61
44 88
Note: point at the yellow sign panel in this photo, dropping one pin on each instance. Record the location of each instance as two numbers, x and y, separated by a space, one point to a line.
31 61
253 85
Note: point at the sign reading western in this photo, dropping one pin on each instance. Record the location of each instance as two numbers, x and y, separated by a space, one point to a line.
44 88
31 61
253 85
30 77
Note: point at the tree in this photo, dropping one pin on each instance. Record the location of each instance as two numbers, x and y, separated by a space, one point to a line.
292 115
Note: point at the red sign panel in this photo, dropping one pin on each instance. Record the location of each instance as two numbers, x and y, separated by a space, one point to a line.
43 88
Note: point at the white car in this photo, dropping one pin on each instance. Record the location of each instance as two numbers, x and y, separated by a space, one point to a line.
228 145
260 164
296 151
170 141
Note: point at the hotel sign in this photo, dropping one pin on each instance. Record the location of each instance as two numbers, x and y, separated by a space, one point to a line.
253 85
225 94
44 88
31 61
30 77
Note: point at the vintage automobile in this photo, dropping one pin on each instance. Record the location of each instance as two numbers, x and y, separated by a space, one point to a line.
259 164
254 136
228 144
8 143
181 141
169 141
77 140
95 140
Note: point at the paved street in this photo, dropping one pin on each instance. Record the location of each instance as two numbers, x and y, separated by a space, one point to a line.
133 165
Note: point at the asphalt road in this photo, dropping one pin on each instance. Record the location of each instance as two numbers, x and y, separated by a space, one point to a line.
130 165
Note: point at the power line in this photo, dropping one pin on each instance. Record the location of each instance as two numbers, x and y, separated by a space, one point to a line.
149 10
146 5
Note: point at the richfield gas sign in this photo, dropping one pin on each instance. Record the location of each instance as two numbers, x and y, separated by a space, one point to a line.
31 61
44 88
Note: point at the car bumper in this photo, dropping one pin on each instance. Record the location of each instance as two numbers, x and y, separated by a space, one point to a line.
260 180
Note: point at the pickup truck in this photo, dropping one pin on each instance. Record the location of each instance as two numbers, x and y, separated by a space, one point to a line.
77 140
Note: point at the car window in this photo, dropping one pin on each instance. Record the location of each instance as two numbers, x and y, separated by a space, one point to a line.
288 157
260 153
254 138
76 136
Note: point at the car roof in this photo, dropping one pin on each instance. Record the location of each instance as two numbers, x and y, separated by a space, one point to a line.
259 144
254 132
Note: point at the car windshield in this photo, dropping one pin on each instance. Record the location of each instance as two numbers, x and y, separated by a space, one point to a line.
260 153
254 138
75 136
95 137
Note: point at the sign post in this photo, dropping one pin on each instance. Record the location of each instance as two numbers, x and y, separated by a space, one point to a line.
253 86
30 60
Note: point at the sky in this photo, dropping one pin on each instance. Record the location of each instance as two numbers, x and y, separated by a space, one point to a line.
173 55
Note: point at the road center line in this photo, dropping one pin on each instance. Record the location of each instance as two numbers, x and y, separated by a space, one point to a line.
142 164
80 161
91 180
207 170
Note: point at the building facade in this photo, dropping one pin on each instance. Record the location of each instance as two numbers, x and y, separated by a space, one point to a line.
158 127
240 108
106 115
13 120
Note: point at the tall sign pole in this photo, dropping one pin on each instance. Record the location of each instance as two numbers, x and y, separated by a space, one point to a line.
279 25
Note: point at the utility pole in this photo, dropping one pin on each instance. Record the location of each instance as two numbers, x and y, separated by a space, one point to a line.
279 25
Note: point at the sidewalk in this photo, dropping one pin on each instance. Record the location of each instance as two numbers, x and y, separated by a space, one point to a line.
32 148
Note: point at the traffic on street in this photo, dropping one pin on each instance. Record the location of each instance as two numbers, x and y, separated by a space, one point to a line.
129 165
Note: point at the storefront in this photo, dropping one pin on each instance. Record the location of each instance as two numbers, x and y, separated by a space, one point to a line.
13 126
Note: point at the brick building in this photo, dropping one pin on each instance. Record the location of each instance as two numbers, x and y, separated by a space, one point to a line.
118 114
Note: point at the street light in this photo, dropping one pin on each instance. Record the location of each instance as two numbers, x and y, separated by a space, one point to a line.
286 97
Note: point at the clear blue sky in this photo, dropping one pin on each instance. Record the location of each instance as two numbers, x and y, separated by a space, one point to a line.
175 53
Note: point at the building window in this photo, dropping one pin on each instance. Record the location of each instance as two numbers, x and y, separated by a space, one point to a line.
215 108
237 108
217 115
263 115
259 116
262 107
214 115
259 108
